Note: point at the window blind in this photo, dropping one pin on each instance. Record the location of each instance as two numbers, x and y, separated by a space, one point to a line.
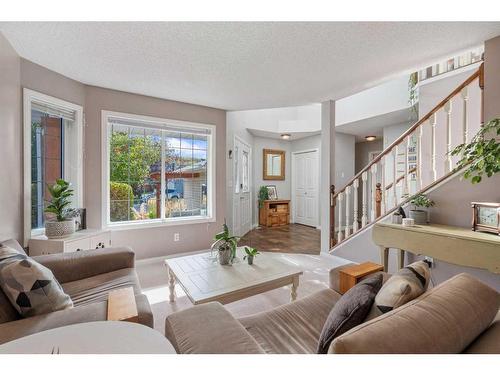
53 110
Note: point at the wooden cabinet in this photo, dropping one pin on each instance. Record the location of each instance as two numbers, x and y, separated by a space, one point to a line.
274 213
82 240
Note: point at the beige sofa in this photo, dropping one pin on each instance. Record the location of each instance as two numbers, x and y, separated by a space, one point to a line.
87 276
460 315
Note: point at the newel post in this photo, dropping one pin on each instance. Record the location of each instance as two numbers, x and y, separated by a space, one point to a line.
332 216
378 200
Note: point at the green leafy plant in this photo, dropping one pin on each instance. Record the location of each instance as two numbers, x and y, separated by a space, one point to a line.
251 252
480 156
263 195
421 200
121 200
61 194
226 240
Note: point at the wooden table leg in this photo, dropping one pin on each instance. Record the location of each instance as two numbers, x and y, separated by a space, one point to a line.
171 285
401 259
295 285
384 257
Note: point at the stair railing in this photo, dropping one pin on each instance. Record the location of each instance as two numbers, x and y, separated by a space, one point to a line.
409 164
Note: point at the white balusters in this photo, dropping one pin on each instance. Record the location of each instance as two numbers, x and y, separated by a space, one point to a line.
420 182
406 180
373 180
340 236
447 160
382 172
355 185
433 147
465 125
347 210
364 217
395 176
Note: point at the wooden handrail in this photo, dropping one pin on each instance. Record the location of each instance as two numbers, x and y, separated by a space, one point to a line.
414 169
477 74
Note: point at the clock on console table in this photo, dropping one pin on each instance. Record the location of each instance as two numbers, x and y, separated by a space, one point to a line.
486 217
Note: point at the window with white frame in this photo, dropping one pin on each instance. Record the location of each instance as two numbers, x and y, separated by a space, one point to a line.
52 150
157 170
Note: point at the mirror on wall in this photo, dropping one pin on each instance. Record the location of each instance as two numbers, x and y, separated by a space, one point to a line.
274 164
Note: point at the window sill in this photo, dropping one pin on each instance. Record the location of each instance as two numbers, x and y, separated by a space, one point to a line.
164 223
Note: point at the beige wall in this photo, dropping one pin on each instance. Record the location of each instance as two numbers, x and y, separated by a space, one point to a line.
11 180
150 242
362 151
492 79
38 78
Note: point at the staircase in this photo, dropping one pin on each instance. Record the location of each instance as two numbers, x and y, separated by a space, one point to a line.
414 163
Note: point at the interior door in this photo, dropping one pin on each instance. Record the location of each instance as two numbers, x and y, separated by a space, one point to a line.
242 208
305 174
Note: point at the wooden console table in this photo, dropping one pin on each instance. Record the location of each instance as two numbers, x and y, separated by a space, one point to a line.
274 213
460 246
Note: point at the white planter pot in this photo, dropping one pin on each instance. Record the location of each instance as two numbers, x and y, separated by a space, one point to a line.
419 216
59 229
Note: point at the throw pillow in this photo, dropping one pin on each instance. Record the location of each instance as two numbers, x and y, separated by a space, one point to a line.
349 311
405 285
30 287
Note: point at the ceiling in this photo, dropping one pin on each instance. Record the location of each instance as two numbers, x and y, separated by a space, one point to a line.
277 135
374 125
236 66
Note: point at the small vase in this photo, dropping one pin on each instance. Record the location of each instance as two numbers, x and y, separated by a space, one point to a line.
224 255
59 229
250 259
419 216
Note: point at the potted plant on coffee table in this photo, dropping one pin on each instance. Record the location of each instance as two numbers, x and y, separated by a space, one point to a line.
419 215
226 245
251 253
63 223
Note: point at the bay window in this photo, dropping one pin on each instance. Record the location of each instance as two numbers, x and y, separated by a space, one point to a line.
157 171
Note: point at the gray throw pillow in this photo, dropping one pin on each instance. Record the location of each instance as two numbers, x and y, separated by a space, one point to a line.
349 311
30 287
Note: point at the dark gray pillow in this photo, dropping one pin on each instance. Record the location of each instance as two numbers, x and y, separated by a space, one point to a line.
349 311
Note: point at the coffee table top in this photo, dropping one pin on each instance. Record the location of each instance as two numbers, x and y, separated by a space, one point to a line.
204 279
104 337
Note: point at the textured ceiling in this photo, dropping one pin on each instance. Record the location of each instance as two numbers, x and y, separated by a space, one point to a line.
241 65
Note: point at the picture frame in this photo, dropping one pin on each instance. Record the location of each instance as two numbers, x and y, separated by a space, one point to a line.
81 219
272 192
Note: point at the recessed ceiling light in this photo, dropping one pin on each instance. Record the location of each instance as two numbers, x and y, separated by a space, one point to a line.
285 136
370 138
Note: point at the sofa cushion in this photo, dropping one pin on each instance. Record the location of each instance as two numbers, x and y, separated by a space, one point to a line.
349 311
96 288
14 245
294 327
444 320
405 285
208 329
79 314
30 287
488 342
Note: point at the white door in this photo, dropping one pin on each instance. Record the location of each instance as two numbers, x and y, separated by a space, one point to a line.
242 208
305 194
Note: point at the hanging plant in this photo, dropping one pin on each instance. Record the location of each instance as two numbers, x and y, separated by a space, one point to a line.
481 156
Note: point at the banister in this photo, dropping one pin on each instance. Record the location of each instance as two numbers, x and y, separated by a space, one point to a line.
411 170
479 73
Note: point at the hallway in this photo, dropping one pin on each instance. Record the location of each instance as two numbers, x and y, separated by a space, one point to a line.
293 238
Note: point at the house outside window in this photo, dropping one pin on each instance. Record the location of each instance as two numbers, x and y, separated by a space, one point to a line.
157 171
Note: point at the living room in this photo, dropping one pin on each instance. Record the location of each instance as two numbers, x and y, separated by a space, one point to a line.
168 189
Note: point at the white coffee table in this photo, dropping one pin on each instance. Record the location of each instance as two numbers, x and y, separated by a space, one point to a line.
105 337
204 279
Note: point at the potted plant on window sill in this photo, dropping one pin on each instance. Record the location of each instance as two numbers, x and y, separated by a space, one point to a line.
226 246
63 223
251 253
420 216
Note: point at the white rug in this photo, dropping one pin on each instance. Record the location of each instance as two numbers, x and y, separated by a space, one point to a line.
154 283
